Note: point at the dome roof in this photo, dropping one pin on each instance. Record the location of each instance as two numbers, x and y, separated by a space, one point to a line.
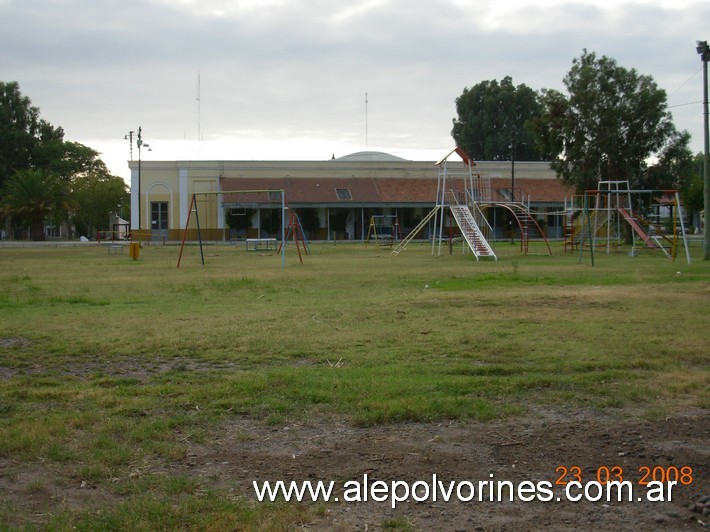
370 156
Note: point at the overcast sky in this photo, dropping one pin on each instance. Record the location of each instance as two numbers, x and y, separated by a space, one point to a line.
287 79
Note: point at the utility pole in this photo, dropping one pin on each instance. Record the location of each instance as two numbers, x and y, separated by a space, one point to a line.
140 145
129 138
704 50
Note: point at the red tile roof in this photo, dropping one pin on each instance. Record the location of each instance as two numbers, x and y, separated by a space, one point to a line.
378 190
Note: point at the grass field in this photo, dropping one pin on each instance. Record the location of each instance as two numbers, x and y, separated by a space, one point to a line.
108 363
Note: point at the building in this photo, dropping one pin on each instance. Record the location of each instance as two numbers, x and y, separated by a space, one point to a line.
335 199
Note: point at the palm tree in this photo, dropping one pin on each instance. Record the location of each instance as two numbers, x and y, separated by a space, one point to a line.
34 196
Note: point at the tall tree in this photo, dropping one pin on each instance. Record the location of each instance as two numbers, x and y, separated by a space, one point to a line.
493 121
23 135
96 195
691 192
70 159
34 196
675 166
613 120
34 154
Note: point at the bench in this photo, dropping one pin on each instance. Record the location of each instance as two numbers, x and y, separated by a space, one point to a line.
261 244
115 249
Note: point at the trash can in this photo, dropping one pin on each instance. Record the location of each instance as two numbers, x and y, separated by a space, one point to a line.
134 249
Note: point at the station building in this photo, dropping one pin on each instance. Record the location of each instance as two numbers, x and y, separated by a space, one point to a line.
334 199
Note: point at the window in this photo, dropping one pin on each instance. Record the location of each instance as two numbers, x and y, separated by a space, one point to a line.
274 195
159 215
506 193
343 194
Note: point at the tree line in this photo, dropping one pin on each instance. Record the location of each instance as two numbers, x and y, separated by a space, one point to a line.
47 179
613 124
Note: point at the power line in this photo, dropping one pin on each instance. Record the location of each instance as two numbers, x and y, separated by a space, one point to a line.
685 82
685 104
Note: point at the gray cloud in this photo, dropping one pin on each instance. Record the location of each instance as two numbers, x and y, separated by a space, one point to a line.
282 69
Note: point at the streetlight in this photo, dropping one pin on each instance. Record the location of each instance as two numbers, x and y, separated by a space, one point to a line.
140 144
704 50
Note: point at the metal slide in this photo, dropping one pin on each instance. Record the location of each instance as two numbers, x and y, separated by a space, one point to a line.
640 231
471 232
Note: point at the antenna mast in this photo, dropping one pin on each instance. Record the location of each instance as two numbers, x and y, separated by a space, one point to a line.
366 139
199 132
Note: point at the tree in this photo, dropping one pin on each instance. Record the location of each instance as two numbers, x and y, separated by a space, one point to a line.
97 194
35 196
23 134
68 160
613 120
675 167
33 153
493 121
691 193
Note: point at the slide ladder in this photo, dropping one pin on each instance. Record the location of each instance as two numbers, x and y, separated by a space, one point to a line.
415 231
528 225
471 232
648 241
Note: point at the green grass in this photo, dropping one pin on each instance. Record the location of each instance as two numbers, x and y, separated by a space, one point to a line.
106 362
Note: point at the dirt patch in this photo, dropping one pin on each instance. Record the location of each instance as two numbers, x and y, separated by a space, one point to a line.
128 367
529 448
14 341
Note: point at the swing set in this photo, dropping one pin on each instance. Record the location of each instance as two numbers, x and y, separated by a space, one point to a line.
613 206
384 229
295 231
193 208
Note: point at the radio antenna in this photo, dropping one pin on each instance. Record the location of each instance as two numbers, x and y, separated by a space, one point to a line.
366 139
199 129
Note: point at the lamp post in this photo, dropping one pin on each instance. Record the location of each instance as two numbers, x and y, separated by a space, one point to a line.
140 144
704 50
129 137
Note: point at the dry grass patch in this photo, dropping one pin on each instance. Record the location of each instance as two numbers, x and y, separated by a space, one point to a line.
108 365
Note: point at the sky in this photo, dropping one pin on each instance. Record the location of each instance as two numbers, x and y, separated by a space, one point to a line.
313 79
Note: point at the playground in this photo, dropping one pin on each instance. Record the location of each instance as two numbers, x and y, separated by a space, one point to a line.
466 208
137 395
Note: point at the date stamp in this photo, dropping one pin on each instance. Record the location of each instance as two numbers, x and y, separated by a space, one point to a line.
643 475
